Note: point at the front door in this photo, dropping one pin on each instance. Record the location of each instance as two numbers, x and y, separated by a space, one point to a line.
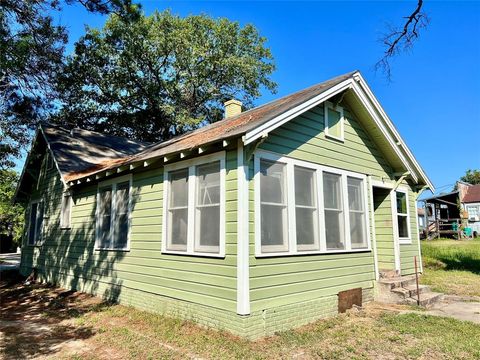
388 250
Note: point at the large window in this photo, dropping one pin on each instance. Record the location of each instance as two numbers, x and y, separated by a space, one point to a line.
113 214
35 223
273 206
306 209
356 208
302 207
194 203
403 226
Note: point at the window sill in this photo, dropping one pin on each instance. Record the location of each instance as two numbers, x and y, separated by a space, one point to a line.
196 254
316 252
113 250
336 138
405 241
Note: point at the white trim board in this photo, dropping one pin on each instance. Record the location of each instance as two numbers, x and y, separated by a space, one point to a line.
243 266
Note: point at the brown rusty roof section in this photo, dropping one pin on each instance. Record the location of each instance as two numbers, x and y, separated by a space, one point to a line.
224 129
473 194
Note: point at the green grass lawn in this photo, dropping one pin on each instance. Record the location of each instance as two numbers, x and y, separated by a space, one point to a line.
452 267
369 334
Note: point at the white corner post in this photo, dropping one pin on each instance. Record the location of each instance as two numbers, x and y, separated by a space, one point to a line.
243 276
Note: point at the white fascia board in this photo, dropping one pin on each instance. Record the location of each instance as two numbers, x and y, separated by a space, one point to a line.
25 164
361 89
391 126
259 131
371 111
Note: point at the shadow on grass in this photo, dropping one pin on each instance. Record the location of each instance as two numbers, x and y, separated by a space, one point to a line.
461 261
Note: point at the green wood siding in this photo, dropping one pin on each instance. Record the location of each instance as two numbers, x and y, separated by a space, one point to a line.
277 281
384 229
68 256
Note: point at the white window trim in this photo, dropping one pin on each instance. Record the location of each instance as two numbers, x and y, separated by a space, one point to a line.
36 241
70 203
113 216
329 105
191 164
403 240
292 241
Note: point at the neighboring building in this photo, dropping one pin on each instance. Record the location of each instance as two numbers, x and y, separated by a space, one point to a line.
459 207
253 224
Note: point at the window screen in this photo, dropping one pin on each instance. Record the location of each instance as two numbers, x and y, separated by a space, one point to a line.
334 218
178 210
104 217
32 223
306 214
273 206
65 211
121 217
402 215
358 232
207 208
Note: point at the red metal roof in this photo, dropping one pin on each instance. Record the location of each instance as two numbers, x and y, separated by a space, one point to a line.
473 194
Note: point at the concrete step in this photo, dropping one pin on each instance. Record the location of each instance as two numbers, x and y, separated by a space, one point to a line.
410 290
426 299
398 282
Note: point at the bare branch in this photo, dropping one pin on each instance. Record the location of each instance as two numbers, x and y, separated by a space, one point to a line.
401 39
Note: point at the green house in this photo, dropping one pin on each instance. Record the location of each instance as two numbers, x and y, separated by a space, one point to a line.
253 224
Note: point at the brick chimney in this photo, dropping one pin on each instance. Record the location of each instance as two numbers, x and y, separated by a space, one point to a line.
232 107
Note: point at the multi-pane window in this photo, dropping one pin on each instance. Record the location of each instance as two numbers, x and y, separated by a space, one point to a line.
273 206
35 223
302 207
306 209
195 207
402 215
66 209
207 208
333 121
113 215
473 211
178 210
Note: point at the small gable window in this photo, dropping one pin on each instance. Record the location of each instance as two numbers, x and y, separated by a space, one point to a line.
113 214
194 207
334 121
35 228
66 210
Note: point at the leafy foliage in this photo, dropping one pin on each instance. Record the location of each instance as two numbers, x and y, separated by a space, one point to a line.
31 57
11 215
471 177
31 50
161 75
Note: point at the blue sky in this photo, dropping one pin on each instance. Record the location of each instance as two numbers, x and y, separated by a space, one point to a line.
434 99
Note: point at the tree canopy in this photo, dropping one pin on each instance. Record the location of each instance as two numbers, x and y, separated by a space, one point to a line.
161 75
11 215
471 177
31 58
